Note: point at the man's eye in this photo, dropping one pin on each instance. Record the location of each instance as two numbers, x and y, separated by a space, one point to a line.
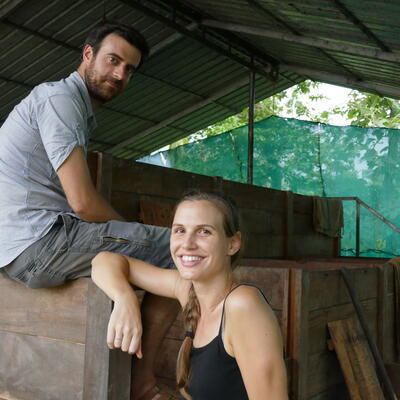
179 230
111 60
204 231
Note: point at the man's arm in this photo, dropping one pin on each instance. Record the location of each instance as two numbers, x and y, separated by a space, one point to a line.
80 192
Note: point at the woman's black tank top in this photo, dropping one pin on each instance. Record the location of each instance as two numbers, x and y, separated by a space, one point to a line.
215 375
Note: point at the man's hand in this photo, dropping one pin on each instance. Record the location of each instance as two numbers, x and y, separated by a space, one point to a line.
125 326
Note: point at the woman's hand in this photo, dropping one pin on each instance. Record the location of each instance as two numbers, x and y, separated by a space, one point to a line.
125 325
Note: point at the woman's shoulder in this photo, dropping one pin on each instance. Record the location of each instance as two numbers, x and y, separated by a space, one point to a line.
245 298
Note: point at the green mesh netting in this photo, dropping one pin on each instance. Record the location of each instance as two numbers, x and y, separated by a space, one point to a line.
312 159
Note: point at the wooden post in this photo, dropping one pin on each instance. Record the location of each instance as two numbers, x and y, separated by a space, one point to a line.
288 225
107 373
298 331
382 308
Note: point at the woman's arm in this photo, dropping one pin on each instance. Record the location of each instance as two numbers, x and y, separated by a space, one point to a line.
252 336
114 273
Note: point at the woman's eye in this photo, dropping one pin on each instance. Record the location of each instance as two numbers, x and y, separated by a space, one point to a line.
179 230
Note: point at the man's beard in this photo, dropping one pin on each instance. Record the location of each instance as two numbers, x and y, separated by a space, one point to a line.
98 89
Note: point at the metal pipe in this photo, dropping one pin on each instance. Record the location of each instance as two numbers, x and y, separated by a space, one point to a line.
250 140
315 42
357 228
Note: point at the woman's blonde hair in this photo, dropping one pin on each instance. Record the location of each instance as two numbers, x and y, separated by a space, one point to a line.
191 312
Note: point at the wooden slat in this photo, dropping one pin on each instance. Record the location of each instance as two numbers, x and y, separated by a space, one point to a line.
156 213
298 331
355 359
318 320
58 313
324 372
107 374
323 282
39 368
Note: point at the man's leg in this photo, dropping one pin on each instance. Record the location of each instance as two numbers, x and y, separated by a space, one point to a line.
158 313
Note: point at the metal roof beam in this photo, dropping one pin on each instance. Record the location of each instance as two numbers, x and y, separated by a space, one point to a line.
7 6
158 47
256 5
320 43
171 39
189 9
349 15
215 96
262 70
343 80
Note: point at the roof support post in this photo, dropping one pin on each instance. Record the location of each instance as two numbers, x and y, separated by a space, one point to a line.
250 150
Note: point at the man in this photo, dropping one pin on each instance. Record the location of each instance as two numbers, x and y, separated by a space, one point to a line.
52 220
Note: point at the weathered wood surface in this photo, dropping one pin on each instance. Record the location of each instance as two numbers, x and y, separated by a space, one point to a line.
107 374
59 313
356 360
36 367
277 224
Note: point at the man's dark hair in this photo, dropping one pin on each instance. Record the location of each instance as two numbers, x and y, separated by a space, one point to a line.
131 35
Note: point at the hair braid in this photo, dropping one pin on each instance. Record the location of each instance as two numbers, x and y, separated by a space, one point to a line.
191 315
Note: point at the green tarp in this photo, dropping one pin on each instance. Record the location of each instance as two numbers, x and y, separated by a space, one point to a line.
312 159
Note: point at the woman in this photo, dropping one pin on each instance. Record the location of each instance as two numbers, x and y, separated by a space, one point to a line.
233 346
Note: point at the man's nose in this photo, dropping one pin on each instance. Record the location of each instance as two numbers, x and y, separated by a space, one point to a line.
120 73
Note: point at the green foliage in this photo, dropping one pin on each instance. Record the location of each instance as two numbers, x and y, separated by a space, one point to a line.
312 159
290 101
371 110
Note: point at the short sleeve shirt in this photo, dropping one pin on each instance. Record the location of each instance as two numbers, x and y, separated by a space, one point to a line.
36 138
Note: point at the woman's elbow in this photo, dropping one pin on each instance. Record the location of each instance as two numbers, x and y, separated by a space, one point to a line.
98 261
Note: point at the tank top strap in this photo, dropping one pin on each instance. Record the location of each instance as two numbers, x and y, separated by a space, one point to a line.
223 305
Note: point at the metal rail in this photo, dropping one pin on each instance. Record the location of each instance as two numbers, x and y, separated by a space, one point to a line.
360 203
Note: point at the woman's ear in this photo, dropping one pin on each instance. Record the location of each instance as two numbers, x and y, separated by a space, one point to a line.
235 243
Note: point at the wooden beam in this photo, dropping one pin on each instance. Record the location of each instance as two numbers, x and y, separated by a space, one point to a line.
343 80
320 43
355 360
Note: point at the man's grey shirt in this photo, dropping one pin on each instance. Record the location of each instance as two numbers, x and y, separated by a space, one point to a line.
37 137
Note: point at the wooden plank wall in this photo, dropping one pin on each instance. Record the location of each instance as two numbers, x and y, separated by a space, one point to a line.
42 335
326 299
277 224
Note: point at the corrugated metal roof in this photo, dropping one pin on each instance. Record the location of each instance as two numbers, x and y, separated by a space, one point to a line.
199 73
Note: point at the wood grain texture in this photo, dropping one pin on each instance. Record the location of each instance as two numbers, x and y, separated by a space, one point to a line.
355 359
107 374
59 313
34 367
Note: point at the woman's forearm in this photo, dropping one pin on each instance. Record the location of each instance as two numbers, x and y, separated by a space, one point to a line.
110 273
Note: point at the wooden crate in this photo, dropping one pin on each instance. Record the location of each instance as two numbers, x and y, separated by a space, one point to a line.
53 344
52 341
